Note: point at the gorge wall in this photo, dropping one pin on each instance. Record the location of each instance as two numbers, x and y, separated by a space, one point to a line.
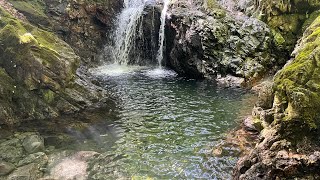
287 109
209 41
42 45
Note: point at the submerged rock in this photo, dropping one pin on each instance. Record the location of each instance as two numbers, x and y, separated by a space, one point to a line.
5 168
33 144
40 158
11 150
27 172
69 167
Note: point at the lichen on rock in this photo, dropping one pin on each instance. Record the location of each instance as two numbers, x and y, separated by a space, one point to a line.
37 71
297 85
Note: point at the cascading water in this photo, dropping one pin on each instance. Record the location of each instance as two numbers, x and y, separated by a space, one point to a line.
129 30
127 25
162 32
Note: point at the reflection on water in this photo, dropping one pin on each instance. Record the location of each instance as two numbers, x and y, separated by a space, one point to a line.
167 126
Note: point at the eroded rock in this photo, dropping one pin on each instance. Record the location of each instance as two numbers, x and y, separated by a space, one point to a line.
205 43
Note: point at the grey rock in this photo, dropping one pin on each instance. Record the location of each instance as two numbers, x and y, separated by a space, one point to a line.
27 172
205 45
33 144
5 168
230 81
266 96
248 124
11 150
40 158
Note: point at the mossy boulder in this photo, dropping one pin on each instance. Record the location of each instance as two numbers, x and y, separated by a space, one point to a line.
285 17
83 24
297 85
34 10
37 74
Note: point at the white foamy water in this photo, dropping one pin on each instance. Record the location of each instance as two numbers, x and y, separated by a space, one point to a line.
162 31
160 73
115 70
127 25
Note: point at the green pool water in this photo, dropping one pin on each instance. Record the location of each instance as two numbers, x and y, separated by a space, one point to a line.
168 126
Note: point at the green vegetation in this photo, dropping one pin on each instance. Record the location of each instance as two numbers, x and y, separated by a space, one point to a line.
298 84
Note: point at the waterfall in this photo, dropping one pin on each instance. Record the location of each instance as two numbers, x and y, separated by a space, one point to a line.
129 29
162 32
127 26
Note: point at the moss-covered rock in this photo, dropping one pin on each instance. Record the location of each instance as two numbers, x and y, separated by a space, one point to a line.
286 17
37 74
34 10
83 24
297 85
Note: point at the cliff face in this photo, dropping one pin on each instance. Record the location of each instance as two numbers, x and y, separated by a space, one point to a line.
289 146
297 85
287 19
209 40
84 25
38 70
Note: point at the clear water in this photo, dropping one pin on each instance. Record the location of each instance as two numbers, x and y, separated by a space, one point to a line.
168 126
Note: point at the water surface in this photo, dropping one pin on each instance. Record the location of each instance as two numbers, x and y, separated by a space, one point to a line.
168 126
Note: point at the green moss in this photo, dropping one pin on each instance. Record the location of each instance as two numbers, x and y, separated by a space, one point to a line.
299 81
48 96
258 124
34 7
310 19
278 38
27 38
34 10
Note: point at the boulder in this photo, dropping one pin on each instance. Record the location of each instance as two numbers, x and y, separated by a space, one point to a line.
296 85
27 172
5 168
33 144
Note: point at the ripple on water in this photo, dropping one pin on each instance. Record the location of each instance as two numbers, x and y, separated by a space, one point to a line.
168 125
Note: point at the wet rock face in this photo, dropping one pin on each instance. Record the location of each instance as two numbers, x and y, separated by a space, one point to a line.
296 84
286 18
144 53
276 158
82 24
38 74
204 43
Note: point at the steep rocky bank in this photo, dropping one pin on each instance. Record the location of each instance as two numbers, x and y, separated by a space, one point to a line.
84 25
287 113
207 40
39 71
